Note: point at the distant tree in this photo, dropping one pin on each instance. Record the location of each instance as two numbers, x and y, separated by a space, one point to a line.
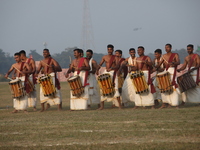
35 55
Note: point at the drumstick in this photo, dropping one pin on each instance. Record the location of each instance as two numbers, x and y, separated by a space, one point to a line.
9 78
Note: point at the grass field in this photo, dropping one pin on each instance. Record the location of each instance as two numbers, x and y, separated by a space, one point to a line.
92 129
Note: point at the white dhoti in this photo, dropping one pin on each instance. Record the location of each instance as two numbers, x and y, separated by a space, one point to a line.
128 91
80 103
144 99
192 95
94 91
116 94
157 94
52 100
174 98
32 96
22 102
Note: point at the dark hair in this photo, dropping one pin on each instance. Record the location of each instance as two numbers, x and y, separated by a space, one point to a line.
22 52
110 46
46 49
131 49
190 45
119 51
90 51
169 45
158 51
141 47
78 50
81 51
17 54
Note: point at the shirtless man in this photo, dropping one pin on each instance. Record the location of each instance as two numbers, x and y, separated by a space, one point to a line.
94 97
170 61
111 65
22 69
50 66
80 66
144 64
192 63
32 101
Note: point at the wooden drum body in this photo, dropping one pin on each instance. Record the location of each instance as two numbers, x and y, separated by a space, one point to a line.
186 82
164 82
139 82
16 88
47 85
106 84
76 85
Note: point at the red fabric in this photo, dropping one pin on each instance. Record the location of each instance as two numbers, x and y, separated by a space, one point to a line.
170 60
175 68
57 82
191 61
197 79
27 85
111 60
86 72
49 61
142 65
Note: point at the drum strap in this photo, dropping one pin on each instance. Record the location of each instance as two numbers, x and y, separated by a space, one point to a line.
170 60
111 60
175 68
191 61
189 67
142 65
86 72
115 71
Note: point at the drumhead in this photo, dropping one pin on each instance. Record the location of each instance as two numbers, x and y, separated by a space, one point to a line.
162 73
73 77
15 80
43 77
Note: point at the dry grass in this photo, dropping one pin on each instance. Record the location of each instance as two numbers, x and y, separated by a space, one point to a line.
92 129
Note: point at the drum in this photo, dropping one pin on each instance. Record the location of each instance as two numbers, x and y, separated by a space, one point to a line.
186 82
17 90
106 85
76 85
139 82
47 85
164 82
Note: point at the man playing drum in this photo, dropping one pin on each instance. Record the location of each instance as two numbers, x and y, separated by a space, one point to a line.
158 58
22 69
128 91
49 67
111 65
144 64
170 61
94 93
81 68
32 101
121 77
192 63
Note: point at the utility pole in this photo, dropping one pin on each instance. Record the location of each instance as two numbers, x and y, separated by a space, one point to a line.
87 38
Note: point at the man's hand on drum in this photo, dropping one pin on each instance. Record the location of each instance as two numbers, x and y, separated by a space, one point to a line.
6 76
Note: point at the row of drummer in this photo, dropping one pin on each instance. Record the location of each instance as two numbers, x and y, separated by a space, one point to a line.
134 79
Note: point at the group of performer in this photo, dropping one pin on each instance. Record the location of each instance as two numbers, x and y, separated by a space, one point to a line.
134 79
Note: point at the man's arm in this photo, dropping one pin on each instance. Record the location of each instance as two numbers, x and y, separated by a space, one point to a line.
100 64
9 71
86 67
183 66
56 67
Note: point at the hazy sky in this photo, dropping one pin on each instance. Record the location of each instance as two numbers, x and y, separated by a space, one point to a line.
26 24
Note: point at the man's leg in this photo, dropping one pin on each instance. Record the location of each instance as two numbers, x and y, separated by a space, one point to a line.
102 106
42 107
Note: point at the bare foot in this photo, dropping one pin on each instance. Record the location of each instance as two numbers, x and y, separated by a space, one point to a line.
163 106
136 107
169 106
101 108
156 102
25 111
14 111
34 109
48 106
41 110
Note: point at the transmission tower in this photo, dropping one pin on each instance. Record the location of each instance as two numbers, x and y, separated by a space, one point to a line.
87 38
